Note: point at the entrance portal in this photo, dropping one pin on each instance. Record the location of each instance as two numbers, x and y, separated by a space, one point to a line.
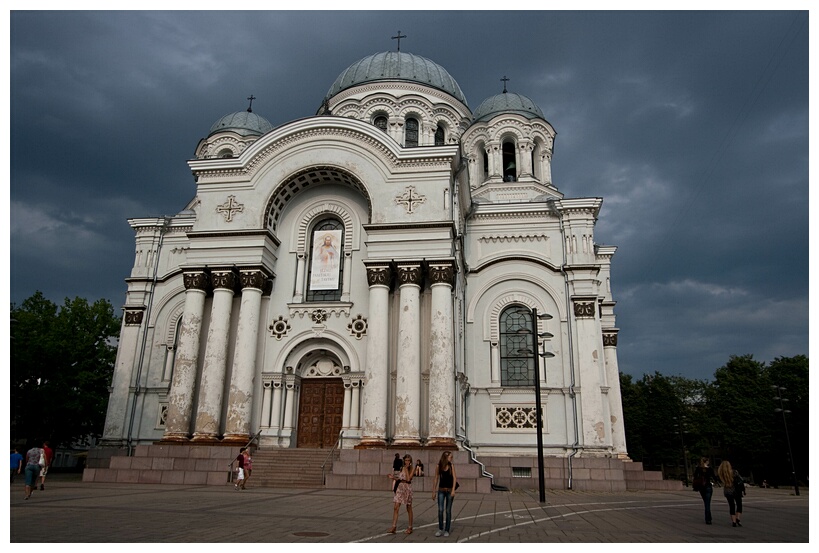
321 408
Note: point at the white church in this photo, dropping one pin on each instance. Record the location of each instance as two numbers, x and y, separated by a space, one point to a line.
391 274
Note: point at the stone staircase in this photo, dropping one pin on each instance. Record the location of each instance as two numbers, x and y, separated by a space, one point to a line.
290 468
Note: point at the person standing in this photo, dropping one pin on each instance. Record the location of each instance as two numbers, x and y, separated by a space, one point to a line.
32 469
732 489
240 474
16 463
704 480
444 485
248 467
397 465
49 455
403 494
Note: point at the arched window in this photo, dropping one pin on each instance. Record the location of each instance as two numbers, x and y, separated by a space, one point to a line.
226 153
516 347
509 164
326 273
439 136
485 157
381 122
411 133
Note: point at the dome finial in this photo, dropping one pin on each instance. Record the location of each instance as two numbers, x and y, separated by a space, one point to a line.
250 107
504 79
399 37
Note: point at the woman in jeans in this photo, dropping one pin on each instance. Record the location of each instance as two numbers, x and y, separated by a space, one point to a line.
32 469
444 486
730 479
706 472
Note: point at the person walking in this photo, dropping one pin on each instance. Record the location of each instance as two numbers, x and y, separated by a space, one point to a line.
240 474
33 458
16 463
403 494
732 488
444 489
704 483
49 455
248 467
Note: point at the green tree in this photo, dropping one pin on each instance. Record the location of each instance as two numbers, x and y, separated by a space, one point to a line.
62 361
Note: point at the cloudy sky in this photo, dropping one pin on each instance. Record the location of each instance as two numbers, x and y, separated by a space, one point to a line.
692 126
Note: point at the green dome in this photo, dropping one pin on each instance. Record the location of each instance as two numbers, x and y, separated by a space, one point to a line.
245 123
507 102
397 66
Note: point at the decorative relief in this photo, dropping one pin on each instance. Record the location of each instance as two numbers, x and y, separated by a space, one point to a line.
223 279
381 275
518 238
133 316
410 198
319 316
443 273
196 281
229 208
584 309
610 338
302 310
358 326
279 328
409 274
162 415
517 417
322 368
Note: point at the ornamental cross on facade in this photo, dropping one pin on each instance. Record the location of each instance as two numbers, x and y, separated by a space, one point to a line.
410 198
229 208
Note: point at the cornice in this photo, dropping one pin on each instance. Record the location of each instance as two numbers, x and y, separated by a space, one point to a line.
410 226
509 258
374 87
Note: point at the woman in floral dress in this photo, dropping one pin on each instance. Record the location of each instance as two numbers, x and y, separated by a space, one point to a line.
403 495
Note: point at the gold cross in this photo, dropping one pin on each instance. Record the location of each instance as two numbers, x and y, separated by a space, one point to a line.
229 208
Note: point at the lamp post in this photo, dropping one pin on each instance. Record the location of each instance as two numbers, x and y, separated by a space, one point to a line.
538 410
681 431
781 409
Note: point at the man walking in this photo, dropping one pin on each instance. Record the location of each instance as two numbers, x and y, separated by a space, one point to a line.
49 454
16 463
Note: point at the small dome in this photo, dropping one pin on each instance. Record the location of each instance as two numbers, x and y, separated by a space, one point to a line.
397 66
507 102
245 123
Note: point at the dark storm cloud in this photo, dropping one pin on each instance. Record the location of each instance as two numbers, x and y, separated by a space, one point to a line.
692 126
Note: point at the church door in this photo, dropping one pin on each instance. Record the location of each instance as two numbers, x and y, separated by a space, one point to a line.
321 408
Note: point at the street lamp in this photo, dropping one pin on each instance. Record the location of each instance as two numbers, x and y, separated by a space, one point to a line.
781 409
538 410
681 431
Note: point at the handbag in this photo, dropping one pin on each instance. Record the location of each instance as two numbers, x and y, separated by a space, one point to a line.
42 458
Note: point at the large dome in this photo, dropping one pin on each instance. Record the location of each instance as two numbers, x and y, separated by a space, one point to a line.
397 66
244 123
507 102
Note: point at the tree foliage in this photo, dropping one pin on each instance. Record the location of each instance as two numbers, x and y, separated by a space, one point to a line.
62 362
670 422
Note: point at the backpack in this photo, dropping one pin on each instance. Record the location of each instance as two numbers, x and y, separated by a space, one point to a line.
739 484
698 482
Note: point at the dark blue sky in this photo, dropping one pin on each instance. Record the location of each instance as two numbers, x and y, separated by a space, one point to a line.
692 126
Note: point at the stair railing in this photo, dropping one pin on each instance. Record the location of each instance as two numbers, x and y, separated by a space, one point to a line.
338 442
484 472
253 438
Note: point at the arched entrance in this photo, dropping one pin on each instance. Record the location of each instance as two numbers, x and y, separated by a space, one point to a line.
321 405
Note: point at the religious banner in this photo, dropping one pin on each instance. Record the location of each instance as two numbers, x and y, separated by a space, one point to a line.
326 260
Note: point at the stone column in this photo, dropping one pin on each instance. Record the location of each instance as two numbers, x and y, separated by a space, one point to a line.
441 362
590 373
291 384
408 365
493 156
377 372
116 417
348 395
525 156
240 395
494 360
298 294
211 390
180 398
267 396
276 409
618 431
355 401
346 276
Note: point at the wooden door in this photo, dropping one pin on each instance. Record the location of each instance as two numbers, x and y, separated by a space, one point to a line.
321 408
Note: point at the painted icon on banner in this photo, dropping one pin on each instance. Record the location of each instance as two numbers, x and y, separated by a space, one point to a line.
326 260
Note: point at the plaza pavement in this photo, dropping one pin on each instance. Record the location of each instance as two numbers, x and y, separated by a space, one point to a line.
71 511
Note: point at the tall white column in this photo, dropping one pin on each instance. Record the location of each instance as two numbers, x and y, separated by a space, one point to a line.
377 372
208 414
348 397
180 398
240 395
298 294
116 417
291 387
408 364
346 276
589 369
442 357
355 402
267 397
618 431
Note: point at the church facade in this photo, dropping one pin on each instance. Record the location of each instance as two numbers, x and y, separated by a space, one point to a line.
394 271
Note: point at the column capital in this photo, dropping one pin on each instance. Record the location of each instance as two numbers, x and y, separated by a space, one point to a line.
253 278
134 315
409 273
610 337
196 280
584 308
223 278
378 274
441 272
